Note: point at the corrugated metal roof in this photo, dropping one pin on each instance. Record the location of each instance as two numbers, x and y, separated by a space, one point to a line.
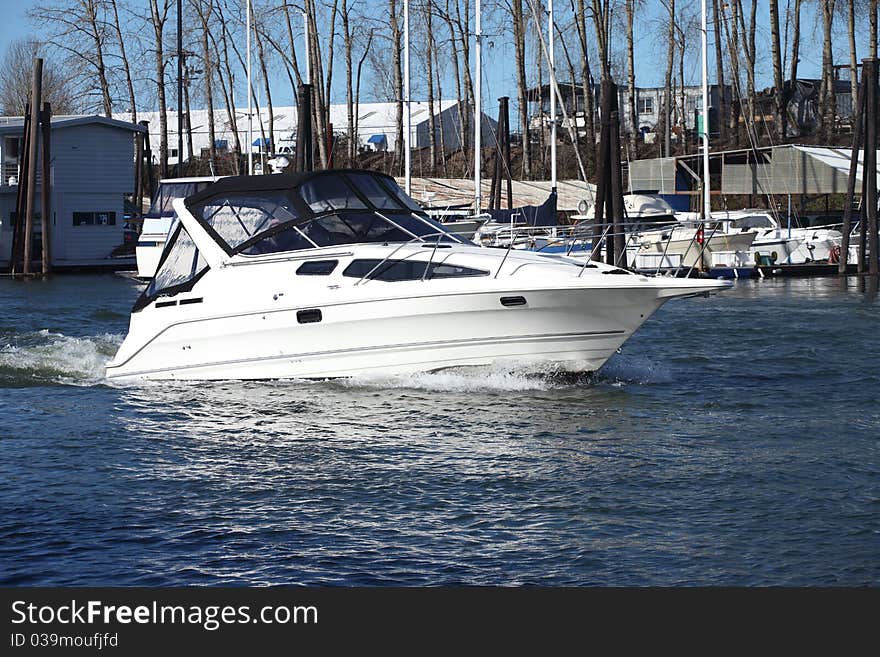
837 158
775 170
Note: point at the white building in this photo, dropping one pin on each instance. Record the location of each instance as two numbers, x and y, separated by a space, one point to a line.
376 127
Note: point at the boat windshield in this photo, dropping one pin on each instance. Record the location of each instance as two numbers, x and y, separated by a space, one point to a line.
179 269
168 191
325 209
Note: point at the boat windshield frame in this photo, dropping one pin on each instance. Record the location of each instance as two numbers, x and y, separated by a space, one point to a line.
298 211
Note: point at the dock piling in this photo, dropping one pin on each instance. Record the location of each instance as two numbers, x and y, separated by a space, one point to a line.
30 193
869 165
46 189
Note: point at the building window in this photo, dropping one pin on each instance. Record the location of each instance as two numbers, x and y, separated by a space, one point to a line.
645 105
94 218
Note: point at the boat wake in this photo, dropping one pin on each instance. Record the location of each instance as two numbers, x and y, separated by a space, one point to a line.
44 357
41 357
501 377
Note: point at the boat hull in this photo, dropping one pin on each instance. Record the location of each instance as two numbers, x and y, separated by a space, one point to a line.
569 329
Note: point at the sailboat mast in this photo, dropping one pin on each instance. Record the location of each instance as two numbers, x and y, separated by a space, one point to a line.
407 117
704 133
478 109
552 98
250 121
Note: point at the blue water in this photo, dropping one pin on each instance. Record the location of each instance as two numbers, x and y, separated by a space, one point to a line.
734 441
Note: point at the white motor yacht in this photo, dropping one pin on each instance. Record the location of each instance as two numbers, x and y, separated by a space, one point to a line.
159 219
339 273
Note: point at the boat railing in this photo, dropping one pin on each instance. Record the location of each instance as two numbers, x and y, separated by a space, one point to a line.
420 238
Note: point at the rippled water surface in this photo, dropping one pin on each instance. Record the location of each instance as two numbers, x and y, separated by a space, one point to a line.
734 441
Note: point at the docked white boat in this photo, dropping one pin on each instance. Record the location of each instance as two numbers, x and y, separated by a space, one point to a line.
339 273
159 219
678 246
775 244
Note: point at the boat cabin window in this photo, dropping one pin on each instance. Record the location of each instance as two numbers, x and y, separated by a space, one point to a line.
407 270
328 193
755 221
317 268
240 218
179 269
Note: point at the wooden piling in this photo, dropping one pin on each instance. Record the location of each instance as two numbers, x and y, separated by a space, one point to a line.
863 226
36 93
46 189
869 166
501 171
858 131
304 139
138 195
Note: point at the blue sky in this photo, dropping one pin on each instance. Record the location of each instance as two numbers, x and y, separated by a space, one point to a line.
498 52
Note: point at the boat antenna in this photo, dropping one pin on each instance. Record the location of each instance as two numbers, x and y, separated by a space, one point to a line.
478 108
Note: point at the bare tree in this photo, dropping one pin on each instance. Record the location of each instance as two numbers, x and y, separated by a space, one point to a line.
872 37
429 61
519 40
853 57
631 74
257 18
78 28
795 19
462 115
777 67
464 39
226 78
667 81
602 24
586 81
351 138
159 16
731 30
204 10
826 92
357 84
748 46
719 71
126 67
16 76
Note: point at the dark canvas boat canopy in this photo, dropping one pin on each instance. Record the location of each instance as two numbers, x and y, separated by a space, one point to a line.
259 215
533 215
